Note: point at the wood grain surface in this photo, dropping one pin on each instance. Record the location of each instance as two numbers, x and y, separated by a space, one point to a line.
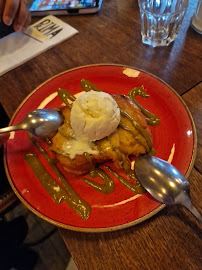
172 238
193 100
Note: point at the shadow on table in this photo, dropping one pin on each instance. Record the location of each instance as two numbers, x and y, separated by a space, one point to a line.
13 252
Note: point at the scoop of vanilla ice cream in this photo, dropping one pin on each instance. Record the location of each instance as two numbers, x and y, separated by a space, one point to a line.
94 115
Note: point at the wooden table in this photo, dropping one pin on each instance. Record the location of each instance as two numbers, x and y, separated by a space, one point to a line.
172 238
169 240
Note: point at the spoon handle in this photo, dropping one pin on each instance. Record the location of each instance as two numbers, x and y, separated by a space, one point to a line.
12 128
194 211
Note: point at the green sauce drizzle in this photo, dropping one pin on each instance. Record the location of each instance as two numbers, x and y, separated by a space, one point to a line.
136 187
139 128
138 139
151 119
64 95
87 86
59 194
107 187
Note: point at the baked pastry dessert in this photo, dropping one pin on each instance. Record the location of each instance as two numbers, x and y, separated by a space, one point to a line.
90 135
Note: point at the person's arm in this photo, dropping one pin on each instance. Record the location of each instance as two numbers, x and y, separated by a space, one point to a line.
16 12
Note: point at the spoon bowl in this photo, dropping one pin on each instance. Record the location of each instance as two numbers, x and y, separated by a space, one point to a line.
164 182
43 123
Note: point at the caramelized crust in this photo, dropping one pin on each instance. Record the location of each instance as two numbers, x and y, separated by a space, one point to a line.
128 143
117 147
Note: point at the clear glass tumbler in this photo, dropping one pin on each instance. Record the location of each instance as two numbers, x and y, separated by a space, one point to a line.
196 21
161 20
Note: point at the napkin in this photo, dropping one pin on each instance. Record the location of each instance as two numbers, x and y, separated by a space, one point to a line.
19 47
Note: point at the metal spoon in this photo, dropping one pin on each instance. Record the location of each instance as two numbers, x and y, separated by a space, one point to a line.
41 122
164 182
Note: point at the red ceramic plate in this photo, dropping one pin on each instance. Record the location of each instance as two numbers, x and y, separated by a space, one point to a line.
174 140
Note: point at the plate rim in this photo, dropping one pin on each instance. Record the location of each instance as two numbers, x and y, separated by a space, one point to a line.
111 228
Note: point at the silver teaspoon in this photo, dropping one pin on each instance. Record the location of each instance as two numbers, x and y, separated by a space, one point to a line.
41 122
164 182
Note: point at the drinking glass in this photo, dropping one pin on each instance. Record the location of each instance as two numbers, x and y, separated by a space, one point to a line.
161 20
196 21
